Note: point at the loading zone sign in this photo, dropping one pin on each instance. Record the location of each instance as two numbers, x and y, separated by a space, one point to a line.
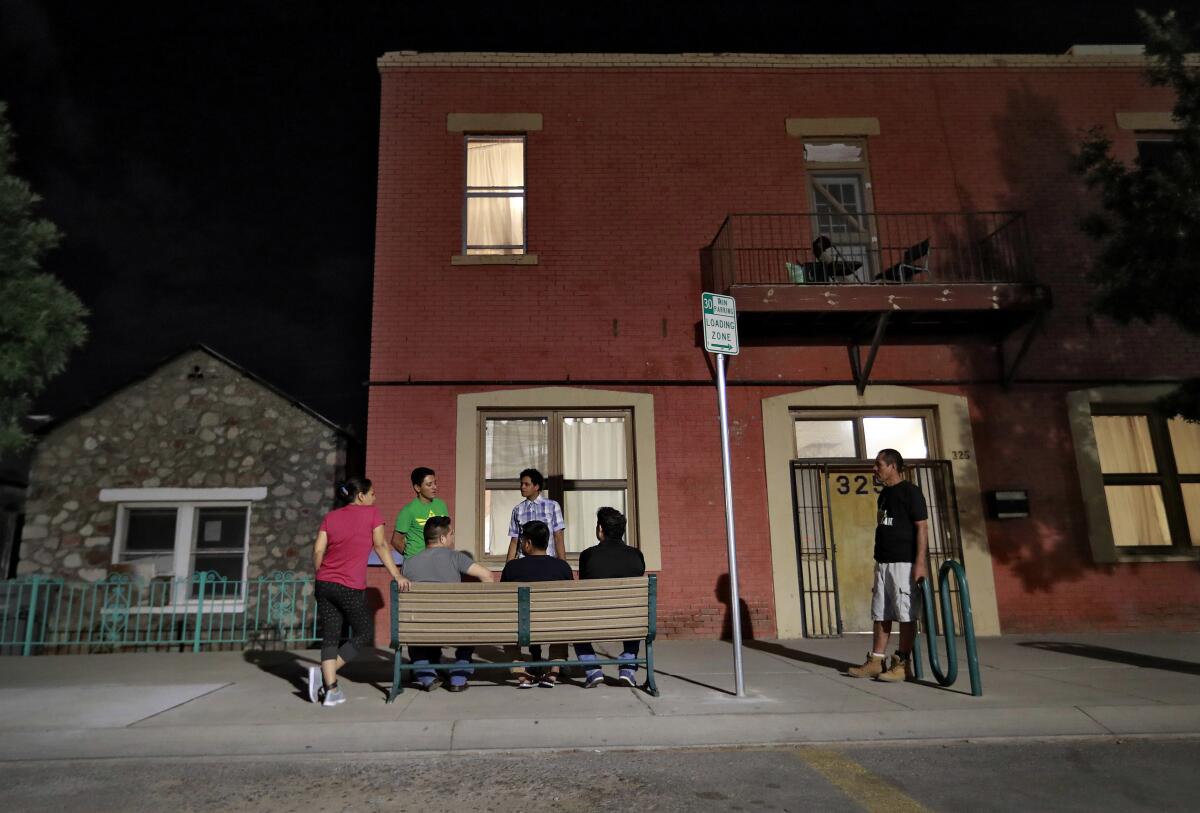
720 324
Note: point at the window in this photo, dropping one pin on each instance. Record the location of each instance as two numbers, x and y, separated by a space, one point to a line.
820 435
1155 150
1151 473
584 455
494 204
174 534
839 189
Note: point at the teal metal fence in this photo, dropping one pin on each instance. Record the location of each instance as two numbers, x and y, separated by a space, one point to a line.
40 614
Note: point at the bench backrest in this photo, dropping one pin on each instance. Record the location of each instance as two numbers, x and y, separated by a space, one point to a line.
496 613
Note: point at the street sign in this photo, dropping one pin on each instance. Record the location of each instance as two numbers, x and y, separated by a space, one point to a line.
720 324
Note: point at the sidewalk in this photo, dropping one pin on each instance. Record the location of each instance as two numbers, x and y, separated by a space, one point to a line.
226 704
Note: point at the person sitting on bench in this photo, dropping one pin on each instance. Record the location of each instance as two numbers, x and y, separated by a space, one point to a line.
440 562
536 565
610 559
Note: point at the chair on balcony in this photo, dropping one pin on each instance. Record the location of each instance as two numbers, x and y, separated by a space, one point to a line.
829 265
915 260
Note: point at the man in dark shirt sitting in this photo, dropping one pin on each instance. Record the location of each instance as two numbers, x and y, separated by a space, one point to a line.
536 565
611 559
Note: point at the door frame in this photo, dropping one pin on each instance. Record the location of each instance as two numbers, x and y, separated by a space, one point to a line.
953 428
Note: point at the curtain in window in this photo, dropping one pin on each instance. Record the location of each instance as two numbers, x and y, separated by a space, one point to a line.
1124 444
495 195
594 449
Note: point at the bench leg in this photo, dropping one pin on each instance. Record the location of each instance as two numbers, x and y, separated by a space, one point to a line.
397 688
651 687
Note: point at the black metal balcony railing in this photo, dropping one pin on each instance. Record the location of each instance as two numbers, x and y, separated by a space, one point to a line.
869 248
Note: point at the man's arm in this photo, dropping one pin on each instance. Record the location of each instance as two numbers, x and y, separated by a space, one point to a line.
480 572
399 548
512 549
919 570
560 550
385 555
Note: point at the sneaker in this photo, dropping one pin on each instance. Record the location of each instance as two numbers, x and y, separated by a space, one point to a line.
899 669
455 686
316 684
334 697
549 680
873 666
593 678
627 677
428 684
526 681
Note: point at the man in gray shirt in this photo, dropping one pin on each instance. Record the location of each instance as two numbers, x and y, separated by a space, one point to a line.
441 563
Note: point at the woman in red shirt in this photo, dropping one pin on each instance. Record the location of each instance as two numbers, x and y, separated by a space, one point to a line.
344 543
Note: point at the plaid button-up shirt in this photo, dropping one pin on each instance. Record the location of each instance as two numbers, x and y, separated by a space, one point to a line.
544 509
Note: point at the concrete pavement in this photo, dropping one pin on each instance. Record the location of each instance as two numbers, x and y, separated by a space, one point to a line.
253 703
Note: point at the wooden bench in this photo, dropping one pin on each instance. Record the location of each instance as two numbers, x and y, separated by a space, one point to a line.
520 613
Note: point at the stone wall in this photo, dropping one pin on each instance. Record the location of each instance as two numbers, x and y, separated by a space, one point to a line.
196 422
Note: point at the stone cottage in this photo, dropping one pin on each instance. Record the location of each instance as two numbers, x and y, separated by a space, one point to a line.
199 465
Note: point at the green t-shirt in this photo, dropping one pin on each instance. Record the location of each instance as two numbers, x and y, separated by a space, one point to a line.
411 522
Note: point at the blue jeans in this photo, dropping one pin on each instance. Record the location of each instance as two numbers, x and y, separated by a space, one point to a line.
630 648
421 655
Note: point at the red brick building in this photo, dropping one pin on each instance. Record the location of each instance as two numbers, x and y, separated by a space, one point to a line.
547 223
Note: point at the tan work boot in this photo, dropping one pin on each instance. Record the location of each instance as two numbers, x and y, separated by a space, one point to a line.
872 667
899 669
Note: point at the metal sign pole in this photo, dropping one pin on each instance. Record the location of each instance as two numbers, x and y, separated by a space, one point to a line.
735 606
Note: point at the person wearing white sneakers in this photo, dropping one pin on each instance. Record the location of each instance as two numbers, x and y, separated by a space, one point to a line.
345 541
610 559
901 549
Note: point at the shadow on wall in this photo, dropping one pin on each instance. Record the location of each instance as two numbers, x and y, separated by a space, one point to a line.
1105 653
724 595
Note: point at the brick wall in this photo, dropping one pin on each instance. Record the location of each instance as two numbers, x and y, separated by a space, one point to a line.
633 173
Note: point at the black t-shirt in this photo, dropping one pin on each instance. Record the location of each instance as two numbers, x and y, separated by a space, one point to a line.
896 536
536 569
611 560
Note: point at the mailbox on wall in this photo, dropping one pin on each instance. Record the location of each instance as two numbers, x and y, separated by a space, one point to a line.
1008 504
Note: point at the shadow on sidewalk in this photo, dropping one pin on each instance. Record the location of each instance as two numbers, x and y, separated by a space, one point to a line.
772 648
1104 653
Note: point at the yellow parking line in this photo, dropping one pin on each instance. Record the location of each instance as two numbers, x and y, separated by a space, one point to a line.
873 792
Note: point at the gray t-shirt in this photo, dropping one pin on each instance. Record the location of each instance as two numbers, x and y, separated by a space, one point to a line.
442 565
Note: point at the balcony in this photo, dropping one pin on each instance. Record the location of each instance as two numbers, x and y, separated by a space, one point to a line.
932 269
855 276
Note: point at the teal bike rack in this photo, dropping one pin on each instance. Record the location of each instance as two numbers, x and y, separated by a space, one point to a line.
948 677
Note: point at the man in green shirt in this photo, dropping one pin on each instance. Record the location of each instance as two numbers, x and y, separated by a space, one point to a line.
409 536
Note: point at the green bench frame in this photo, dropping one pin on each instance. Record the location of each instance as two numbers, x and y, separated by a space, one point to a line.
524 613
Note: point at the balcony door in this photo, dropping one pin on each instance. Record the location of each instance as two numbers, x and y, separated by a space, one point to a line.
839 190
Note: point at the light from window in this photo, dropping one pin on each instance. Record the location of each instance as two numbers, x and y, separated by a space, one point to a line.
839 153
495 195
1185 443
905 435
1138 516
819 439
1124 444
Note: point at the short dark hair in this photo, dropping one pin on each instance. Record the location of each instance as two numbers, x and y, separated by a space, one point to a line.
892 458
436 528
612 523
537 533
534 476
420 473
350 488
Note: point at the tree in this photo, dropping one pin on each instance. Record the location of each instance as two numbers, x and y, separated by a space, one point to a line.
1148 229
41 322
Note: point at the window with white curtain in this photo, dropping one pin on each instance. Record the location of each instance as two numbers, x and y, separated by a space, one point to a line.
585 457
1151 470
494 216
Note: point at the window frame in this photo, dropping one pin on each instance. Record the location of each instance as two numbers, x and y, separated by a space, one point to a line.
815 170
557 485
1167 478
927 414
187 504
495 192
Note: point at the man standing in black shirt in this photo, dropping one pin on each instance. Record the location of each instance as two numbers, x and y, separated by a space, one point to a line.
611 559
901 549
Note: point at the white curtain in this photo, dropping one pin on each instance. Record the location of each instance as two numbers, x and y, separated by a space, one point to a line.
497 166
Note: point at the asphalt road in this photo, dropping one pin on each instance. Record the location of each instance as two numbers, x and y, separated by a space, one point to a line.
1076 774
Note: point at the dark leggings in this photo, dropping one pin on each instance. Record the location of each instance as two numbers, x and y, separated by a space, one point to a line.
337 604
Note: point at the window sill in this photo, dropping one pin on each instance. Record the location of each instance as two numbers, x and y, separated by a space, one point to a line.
1143 558
494 259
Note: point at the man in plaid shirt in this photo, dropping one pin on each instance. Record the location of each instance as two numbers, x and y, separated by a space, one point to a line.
536 507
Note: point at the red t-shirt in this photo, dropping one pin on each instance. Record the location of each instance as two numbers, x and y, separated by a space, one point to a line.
349 530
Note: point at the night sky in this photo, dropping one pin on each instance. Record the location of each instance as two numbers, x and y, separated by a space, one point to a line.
212 165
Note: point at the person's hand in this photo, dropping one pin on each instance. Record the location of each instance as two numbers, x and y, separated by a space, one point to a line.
919 571
403 583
